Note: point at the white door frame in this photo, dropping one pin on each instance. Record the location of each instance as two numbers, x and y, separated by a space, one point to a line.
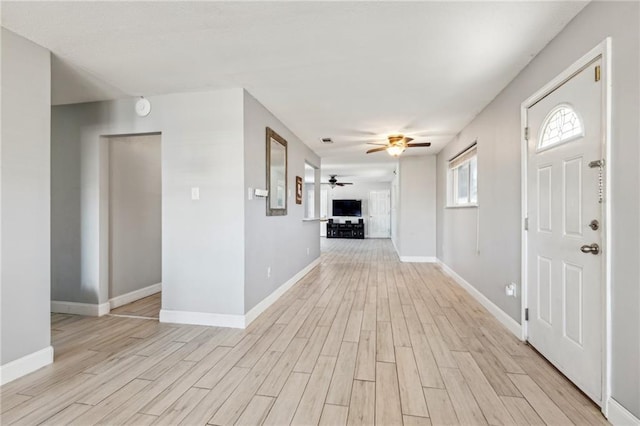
602 50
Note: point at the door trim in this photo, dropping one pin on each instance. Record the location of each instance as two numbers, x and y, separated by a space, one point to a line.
603 51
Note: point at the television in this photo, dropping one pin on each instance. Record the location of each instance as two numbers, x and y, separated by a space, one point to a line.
347 208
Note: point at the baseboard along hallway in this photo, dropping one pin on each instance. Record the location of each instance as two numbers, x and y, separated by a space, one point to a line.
362 338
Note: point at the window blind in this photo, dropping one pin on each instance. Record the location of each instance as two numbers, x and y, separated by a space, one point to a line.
463 156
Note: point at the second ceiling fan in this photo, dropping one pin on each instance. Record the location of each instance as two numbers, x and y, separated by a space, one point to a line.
333 182
396 145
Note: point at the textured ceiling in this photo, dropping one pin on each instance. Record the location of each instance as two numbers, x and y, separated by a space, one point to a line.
353 71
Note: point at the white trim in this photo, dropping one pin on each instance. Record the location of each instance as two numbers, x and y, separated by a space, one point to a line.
230 320
620 416
418 259
98 310
462 206
132 296
87 309
512 325
202 318
25 365
602 50
277 293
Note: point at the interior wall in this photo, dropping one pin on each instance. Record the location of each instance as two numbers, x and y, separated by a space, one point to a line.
416 224
357 191
283 244
497 129
135 214
24 198
202 240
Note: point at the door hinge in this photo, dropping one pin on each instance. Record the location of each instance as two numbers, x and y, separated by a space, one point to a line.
526 314
597 73
526 133
526 223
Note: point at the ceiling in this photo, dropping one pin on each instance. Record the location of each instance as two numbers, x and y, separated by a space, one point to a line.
352 71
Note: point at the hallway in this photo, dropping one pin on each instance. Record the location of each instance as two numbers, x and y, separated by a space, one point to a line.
362 339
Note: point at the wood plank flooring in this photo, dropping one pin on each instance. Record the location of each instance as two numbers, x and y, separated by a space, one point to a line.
362 339
148 307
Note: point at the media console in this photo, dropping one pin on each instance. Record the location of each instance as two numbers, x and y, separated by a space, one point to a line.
345 230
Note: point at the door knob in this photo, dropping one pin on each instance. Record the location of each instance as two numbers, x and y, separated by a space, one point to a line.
590 248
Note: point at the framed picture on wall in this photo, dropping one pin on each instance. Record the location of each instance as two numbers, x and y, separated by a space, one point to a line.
298 190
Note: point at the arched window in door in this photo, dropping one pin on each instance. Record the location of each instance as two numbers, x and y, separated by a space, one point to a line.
561 125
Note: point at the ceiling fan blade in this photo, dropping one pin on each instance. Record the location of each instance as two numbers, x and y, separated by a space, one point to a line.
346 183
382 148
377 143
413 145
407 139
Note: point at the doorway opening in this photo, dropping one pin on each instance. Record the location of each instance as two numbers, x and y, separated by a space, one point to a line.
134 225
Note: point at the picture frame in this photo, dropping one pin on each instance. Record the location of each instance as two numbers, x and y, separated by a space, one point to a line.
298 190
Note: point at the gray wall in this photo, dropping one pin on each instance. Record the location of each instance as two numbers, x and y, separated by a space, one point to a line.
202 241
416 222
25 191
135 213
497 129
279 242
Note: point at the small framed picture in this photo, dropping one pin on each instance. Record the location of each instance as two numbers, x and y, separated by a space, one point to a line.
298 190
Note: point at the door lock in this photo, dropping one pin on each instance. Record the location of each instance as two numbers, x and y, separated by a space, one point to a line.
595 225
590 248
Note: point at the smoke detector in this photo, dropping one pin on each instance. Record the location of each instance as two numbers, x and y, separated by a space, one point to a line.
326 140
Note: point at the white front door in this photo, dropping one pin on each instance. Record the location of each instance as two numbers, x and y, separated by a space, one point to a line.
564 199
379 214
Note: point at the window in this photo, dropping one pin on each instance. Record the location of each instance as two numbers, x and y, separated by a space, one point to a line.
561 125
463 178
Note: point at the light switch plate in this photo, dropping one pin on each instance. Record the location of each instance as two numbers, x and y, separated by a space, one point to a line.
195 193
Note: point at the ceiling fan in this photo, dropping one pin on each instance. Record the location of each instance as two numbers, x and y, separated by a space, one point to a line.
333 182
396 145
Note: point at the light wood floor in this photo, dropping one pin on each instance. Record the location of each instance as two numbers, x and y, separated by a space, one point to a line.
362 339
149 307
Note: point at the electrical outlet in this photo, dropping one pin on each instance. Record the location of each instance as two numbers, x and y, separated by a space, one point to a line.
269 272
308 251
511 290
250 193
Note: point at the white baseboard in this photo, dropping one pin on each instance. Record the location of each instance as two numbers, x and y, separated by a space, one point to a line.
134 295
25 365
98 310
270 299
511 324
620 416
202 318
418 259
229 320
87 309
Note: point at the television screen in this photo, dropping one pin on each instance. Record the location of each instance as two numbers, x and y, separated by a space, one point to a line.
347 207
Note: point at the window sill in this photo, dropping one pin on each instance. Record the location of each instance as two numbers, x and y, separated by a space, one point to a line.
311 219
463 206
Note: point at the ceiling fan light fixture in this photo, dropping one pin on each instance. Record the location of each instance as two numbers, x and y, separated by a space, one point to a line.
395 150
